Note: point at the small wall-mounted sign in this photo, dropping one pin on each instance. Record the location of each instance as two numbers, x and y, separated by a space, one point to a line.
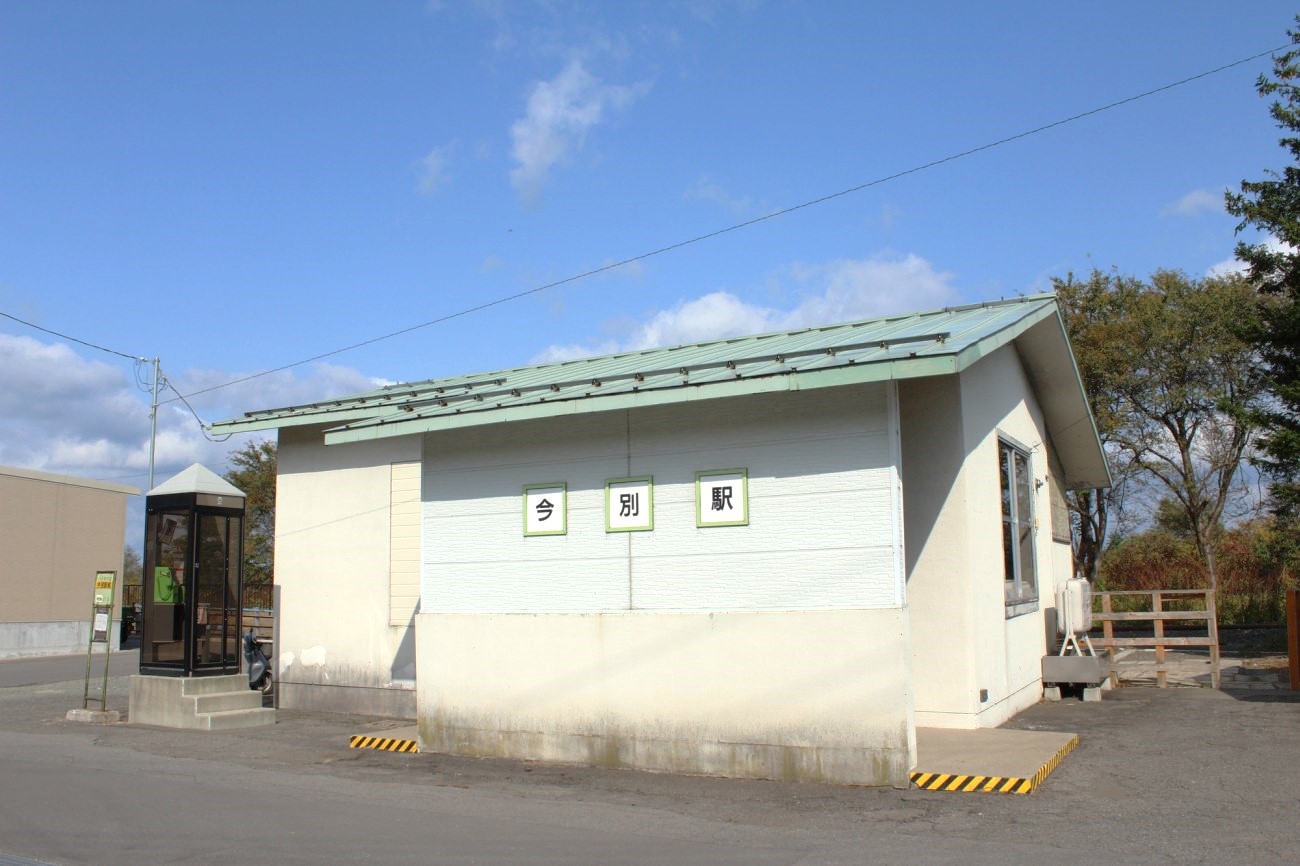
101 617
104 581
629 504
722 498
546 509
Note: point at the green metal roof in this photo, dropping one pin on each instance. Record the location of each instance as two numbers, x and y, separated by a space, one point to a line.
894 347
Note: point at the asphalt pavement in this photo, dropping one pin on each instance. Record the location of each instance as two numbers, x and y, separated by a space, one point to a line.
1160 776
34 670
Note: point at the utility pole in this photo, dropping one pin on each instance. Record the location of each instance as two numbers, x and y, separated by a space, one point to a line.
153 423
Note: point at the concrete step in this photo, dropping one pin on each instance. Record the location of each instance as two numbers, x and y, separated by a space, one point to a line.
215 703
193 686
226 720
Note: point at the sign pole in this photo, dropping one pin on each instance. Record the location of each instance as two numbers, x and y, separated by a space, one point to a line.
101 629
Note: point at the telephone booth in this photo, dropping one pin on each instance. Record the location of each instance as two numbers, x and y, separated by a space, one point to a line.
193 576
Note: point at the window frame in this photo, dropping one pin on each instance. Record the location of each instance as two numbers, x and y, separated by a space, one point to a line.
1020 579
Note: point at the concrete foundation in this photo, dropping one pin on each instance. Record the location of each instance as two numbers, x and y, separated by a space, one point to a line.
817 696
1072 669
95 717
361 700
21 639
198 703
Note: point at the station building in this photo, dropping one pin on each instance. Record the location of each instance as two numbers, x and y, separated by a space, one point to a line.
772 556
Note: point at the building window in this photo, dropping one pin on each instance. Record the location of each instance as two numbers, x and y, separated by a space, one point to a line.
1021 583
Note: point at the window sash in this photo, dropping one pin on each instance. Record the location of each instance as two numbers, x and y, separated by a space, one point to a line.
1019 572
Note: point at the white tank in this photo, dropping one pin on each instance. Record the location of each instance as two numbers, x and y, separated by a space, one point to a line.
1078 605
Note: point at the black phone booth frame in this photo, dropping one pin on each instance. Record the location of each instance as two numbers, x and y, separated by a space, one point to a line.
193 584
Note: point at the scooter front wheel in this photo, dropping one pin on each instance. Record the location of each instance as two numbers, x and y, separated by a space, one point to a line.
268 683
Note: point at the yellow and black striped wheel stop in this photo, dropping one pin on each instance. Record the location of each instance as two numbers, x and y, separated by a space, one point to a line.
361 741
992 784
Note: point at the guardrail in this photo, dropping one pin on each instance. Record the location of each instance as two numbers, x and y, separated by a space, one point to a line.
1157 614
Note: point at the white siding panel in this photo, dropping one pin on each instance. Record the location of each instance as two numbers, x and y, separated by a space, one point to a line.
821 515
476 556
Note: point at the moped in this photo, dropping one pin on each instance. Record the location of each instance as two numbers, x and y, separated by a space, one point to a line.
258 664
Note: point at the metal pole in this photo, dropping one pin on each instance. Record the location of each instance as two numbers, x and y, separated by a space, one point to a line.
153 422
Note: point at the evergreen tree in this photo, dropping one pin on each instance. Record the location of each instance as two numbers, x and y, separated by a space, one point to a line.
1272 206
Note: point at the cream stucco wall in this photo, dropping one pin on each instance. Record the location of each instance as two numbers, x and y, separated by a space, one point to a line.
55 533
335 648
940 593
997 402
796 695
964 645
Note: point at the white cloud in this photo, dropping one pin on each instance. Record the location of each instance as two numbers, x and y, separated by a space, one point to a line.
60 412
558 116
847 289
432 168
838 291
716 315
1197 201
1236 266
63 413
1225 267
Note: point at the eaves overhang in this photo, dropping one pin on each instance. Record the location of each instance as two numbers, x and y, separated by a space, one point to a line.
404 423
934 343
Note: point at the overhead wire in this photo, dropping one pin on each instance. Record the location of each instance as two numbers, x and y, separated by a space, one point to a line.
138 365
674 246
745 224
165 382
136 358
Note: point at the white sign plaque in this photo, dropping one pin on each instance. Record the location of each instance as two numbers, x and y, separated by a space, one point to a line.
546 509
722 498
629 504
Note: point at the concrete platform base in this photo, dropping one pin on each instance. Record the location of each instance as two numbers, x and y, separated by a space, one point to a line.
987 760
95 717
200 703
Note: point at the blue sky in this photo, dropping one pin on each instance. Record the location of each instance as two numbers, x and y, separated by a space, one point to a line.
236 187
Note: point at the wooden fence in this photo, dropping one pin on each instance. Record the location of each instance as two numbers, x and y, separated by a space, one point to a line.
1155 610
255 597
258 607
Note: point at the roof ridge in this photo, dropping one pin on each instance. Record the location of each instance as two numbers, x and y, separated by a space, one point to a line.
877 336
609 356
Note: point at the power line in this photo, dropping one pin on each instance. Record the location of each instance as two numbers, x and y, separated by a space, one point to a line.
136 358
203 428
747 223
691 241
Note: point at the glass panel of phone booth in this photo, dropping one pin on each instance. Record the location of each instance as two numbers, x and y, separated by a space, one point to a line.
166 558
216 637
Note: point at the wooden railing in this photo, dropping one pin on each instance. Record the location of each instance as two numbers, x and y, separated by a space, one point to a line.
1158 615
260 621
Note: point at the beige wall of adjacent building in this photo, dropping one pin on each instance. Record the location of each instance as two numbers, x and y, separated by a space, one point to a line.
343 573
56 531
